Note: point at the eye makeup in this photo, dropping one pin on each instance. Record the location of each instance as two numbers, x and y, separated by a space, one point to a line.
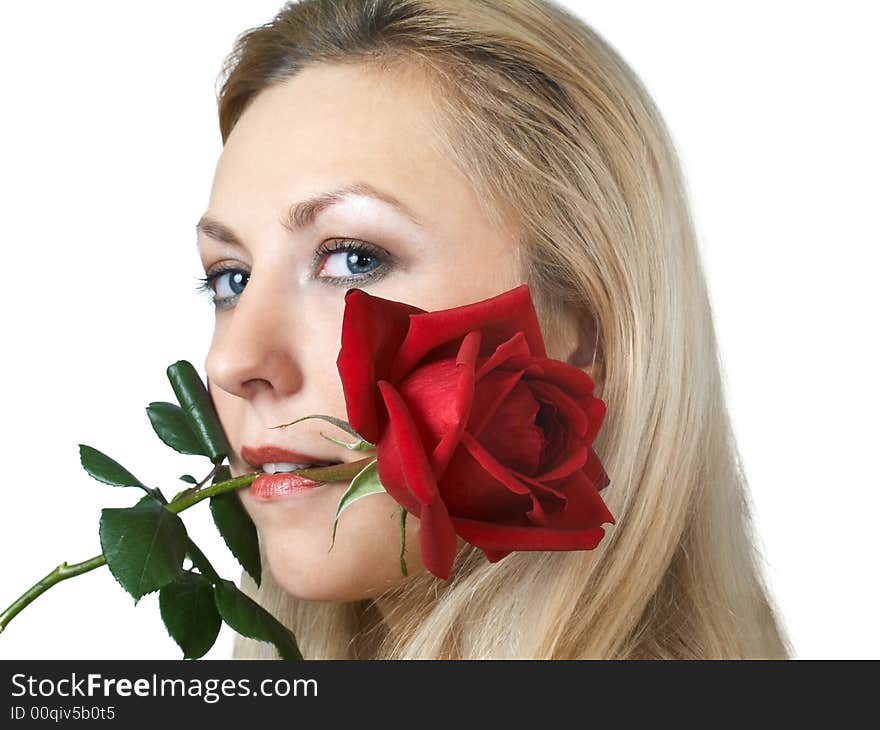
361 249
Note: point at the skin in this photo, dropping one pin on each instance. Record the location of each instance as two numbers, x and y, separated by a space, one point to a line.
273 353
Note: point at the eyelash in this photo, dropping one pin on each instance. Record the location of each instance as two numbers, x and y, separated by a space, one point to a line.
205 285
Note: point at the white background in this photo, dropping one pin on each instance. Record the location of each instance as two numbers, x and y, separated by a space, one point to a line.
108 143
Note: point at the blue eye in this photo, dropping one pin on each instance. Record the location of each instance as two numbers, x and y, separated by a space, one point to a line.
235 283
361 262
357 260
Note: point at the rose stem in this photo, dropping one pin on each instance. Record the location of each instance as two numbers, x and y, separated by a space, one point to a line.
187 500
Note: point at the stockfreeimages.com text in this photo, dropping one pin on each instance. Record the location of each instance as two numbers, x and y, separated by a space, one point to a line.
210 690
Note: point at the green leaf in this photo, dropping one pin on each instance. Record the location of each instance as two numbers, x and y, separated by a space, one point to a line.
190 614
402 540
171 425
359 445
144 545
366 482
223 474
338 422
106 470
238 531
196 403
188 478
250 619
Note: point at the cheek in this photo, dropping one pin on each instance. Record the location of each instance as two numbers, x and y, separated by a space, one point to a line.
229 410
461 276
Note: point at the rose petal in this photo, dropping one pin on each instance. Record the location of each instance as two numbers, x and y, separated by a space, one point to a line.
491 465
493 556
512 436
437 535
437 539
462 399
492 391
572 411
498 318
430 396
571 462
372 332
415 466
554 432
469 350
542 486
516 346
595 416
596 472
504 475
468 490
585 507
495 537
572 380
391 472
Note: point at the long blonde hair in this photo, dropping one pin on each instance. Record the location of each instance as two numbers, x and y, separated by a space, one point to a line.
565 147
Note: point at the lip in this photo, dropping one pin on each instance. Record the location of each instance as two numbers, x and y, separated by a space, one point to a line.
256 456
281 484
272 486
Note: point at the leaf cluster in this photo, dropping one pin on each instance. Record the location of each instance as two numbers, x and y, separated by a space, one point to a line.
145 545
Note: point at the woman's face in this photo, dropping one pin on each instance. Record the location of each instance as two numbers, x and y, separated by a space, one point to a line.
338 156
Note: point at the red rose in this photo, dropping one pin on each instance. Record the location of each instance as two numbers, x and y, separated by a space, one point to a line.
477 432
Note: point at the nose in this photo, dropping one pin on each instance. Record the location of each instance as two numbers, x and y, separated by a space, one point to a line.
251 350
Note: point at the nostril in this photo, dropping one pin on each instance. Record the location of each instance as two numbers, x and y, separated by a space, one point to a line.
254 382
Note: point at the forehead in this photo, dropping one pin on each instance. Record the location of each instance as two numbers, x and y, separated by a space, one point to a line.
331 123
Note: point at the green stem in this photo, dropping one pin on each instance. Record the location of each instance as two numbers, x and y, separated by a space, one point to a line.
62 572
181 501
65 571
188 498
196 487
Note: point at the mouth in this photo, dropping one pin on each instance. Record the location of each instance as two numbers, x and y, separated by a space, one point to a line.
300 479
282 479
287 467
276 459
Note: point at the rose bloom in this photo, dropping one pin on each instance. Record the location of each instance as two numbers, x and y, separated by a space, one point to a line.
479 433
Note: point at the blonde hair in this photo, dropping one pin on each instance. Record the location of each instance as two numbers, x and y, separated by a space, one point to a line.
566 148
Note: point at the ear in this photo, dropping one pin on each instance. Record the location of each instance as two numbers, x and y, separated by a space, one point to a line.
586 348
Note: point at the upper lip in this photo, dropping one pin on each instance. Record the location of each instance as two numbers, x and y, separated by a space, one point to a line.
258 455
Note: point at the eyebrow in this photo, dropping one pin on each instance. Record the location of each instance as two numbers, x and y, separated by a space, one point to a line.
303 214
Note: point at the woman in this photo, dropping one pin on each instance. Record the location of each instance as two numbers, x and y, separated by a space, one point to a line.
439 153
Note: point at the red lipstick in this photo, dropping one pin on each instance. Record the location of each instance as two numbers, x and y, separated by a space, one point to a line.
280 484
258 455
270 486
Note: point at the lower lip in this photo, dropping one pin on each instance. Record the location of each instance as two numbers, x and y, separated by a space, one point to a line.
272 486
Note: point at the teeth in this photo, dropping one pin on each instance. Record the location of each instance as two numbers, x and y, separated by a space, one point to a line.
283 466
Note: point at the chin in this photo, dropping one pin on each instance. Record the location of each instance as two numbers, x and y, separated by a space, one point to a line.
306 575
